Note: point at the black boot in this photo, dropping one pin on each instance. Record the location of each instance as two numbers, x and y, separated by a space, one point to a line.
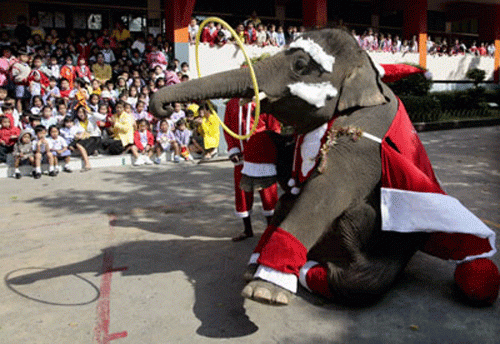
248 232
268 219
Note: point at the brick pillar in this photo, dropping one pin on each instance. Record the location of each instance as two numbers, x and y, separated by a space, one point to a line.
177 17
496 30
178 14
415 23
314 13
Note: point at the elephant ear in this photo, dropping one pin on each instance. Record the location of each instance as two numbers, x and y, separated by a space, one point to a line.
361 88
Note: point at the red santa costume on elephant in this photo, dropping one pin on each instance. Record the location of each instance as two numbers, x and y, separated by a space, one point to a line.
411 201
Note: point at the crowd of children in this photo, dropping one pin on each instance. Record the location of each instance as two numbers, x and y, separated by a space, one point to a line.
371 40
56 106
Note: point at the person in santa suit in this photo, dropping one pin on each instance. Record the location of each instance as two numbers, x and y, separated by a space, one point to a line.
240 119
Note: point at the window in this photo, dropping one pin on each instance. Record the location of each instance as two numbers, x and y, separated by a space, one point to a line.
134 23
94 22
465 26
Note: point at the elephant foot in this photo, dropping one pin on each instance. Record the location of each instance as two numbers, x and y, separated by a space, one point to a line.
250 184
266 292
249 272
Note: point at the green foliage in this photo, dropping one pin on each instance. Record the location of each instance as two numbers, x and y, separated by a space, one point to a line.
458 100
443 106
422 108
477 75
412 85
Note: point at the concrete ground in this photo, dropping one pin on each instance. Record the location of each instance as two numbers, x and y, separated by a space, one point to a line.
143 255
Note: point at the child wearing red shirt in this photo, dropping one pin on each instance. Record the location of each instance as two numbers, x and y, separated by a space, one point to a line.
68 71
82 70
8 137
143 143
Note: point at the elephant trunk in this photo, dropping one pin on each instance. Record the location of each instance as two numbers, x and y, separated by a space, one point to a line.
234 83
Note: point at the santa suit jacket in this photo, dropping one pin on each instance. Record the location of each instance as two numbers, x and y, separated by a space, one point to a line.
242 123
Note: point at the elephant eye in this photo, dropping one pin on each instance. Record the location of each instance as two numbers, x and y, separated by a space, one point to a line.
300 65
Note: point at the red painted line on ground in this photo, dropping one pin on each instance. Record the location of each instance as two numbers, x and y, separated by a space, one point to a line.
117 335
101 331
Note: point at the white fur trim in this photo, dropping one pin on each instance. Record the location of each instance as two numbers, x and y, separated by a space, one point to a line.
291 182
314 94
380 69
253 258
372 137
295 191
310 148
253 169
268 212
303 273
410 211
234 150
284 280
315 51
242 214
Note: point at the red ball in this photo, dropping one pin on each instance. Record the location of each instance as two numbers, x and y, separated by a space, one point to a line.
479 280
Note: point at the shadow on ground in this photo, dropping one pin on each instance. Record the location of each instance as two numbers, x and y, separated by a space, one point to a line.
181 201
199 202
210 266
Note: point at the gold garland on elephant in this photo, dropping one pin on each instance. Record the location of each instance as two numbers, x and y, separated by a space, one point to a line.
331 140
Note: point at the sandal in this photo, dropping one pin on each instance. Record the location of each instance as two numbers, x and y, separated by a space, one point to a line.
241 237
85 169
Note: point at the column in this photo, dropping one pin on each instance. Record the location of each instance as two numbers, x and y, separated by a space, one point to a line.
314 13
415 23
177 17
496 30
280 10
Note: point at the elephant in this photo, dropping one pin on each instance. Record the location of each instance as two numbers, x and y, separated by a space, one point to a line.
327 230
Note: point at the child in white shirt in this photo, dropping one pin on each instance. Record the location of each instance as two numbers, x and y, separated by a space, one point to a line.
59 148
165 142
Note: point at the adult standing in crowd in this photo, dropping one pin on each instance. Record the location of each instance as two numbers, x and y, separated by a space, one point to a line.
120 33
22 31
102 71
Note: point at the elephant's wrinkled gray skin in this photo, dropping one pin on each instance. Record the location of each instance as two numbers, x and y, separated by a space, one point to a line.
337 214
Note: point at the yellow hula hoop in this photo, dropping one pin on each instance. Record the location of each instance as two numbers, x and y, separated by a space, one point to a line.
252 75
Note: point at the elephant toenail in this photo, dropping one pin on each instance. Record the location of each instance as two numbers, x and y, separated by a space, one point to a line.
282 299
247 292
262 294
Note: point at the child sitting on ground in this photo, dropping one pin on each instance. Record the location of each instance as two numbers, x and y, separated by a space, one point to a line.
23 152
24 120
183 138
47 119
41 148
72 133
143 144
178 113
122 131
8 111
165 142
36 105
8 137
59 149
141 113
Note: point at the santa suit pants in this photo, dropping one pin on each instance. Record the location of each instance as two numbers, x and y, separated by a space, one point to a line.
244 200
